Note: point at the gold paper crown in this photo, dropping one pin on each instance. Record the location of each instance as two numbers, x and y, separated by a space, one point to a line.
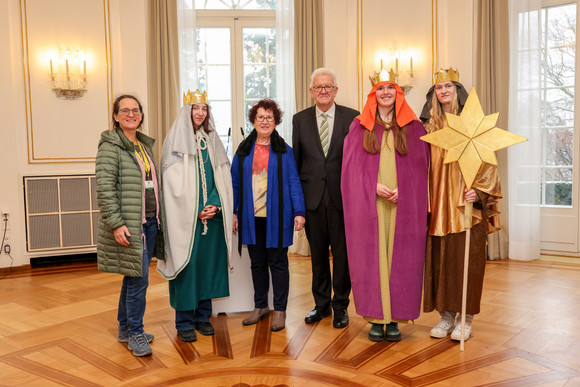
195 97
384 75
446 75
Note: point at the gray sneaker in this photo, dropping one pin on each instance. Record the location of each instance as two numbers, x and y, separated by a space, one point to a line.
139 345
123 337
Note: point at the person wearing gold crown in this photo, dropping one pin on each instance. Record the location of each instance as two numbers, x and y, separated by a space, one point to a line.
196 180
384 191
446 230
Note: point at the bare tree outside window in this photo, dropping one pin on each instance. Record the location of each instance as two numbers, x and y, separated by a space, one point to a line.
558 75
259 67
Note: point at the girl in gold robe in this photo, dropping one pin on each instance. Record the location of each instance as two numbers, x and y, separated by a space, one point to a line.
446 229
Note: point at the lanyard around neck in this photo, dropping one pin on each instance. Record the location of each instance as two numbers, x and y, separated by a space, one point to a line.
143 157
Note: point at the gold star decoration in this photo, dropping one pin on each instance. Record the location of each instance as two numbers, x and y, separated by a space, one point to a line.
472 138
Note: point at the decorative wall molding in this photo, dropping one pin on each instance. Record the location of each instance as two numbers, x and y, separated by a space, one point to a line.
65 131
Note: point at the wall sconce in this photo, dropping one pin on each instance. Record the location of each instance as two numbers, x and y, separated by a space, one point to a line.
404 75
69 75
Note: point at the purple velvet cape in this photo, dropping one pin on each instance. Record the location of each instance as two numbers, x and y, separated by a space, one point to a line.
360 171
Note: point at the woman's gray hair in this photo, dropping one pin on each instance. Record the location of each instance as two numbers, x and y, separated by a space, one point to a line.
323 71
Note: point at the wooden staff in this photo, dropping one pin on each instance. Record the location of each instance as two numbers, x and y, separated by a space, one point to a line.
468 214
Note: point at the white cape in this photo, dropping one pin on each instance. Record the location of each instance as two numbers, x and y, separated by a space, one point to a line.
179 166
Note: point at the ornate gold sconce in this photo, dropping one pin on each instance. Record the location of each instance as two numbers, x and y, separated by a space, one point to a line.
69 75
400 62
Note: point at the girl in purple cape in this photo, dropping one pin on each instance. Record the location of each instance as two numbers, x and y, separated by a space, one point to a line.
384 188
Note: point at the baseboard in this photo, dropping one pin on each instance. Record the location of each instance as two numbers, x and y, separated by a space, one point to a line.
16 269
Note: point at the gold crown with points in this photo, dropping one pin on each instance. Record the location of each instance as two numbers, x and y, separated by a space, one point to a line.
444 75
382 76
195 97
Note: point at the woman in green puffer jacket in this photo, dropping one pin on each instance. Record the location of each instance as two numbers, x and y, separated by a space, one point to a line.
130 230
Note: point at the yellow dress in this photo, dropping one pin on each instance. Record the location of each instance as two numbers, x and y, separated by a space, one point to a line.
387 214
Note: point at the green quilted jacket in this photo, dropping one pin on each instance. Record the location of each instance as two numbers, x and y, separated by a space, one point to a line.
120 200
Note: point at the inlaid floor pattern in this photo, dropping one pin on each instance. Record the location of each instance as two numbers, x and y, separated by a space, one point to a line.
58 327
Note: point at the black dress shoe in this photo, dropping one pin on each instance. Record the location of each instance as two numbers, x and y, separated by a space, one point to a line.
187 335
340 318
377 332
204 328
317 314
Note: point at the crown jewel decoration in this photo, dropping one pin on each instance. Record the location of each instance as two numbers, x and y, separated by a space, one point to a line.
195 97
383 76
444 75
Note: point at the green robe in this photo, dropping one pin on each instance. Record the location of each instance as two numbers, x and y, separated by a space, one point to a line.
206 274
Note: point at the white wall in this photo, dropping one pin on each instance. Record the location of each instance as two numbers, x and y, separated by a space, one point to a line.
384 24
457 37
341 48
129 75
9 122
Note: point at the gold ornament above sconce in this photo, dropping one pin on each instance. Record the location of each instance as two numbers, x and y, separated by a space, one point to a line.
397 60
69 75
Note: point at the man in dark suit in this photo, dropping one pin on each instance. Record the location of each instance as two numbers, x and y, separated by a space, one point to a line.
317 137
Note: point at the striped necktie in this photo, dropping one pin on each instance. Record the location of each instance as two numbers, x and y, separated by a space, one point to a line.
324 134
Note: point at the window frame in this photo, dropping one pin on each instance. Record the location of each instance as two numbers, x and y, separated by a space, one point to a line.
545 89
236 20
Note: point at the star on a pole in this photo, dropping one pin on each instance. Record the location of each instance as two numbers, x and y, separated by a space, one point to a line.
472 138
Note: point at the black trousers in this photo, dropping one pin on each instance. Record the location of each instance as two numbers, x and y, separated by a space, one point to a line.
324 227
274 259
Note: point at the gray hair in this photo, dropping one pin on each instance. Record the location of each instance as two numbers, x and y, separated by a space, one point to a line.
323 71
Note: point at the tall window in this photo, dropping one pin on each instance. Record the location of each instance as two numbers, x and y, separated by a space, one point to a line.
215 68
558 103
233 56
235 4
259 66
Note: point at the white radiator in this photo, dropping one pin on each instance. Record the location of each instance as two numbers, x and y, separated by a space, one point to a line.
61 212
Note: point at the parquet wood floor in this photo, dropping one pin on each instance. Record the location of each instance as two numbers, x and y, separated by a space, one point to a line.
58 327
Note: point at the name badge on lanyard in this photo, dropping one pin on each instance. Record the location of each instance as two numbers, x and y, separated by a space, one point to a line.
149 184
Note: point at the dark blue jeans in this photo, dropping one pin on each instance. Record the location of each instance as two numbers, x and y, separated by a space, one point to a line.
186 319
134 289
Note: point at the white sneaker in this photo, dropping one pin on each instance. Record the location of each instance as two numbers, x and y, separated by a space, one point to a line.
442 329
456 334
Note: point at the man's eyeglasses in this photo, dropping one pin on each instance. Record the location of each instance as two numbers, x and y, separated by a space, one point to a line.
267 118
126 112
319 89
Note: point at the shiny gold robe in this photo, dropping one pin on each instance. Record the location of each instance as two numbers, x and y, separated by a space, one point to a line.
446 234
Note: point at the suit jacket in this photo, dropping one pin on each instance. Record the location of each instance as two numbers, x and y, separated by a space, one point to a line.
314 169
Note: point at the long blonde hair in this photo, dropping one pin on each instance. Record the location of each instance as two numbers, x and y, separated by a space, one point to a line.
437 120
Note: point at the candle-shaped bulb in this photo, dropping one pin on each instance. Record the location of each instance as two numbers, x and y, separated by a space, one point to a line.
411 66
66 61
85 67
51 71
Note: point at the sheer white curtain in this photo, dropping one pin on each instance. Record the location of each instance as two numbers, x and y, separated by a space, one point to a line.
187 48
285 65
524 165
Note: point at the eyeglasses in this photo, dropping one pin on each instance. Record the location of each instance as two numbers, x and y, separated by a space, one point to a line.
319 89
126 112
266 118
